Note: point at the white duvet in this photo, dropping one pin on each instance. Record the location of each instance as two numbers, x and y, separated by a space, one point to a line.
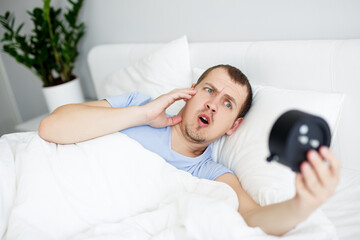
112 188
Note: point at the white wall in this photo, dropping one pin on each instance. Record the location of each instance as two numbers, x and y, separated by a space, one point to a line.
112 21
26 87
9 114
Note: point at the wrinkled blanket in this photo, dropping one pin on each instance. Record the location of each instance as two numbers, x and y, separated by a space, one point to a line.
113 188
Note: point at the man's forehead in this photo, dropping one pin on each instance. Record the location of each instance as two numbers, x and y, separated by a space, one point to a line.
221 78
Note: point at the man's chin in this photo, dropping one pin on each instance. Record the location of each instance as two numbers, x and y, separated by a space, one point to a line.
195 137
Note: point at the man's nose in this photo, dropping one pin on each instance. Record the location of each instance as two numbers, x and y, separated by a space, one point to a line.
212 105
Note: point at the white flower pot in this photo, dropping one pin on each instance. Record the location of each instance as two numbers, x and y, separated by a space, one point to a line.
69 92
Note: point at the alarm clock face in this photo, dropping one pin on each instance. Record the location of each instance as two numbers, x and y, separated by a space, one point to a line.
294 134
306 135
309 138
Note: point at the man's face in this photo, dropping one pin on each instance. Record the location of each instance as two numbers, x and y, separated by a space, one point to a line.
213 111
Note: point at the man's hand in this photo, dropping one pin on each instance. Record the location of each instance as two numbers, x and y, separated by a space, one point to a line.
318 180
314 185
155 110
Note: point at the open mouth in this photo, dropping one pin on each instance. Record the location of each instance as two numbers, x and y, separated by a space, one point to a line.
204 120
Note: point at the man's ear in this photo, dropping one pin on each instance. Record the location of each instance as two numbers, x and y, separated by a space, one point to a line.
235 125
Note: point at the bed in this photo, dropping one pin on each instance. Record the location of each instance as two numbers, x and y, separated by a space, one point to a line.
112 188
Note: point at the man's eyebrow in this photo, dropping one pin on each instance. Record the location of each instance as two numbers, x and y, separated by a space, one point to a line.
232 99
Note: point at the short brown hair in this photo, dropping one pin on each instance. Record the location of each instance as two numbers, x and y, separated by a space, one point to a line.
238 77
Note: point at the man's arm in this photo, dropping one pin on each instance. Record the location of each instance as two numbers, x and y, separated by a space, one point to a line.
316 183
79 122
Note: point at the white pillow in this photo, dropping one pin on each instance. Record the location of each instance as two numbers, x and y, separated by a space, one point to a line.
245 151
196 73
158 73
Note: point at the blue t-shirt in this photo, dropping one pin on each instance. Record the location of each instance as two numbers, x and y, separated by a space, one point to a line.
158 140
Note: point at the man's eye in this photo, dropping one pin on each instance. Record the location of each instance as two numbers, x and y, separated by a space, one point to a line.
228 105
209 90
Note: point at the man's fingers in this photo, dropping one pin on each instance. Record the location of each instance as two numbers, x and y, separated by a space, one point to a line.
318 178
184 93
183 90
174 120
334 163
317 181
155 110
310 177
317 162
176 95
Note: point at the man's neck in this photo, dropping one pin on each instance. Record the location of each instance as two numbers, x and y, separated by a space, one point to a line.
182 145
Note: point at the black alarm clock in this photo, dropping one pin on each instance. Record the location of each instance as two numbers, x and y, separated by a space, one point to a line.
293 134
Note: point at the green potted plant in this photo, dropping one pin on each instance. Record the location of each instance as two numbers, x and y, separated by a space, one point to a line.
50 50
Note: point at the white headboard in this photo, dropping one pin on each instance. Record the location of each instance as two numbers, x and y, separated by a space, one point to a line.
321 65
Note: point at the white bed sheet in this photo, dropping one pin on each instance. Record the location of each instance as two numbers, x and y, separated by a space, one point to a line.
343 209
112 188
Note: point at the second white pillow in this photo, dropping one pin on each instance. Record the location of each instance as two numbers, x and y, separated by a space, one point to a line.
160 72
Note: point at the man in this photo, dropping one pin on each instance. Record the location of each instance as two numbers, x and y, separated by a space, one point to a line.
214 106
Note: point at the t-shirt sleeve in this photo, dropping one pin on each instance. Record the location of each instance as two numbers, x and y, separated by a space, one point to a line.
212 170
128 100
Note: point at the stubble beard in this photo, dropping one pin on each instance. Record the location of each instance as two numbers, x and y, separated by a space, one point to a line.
192 135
